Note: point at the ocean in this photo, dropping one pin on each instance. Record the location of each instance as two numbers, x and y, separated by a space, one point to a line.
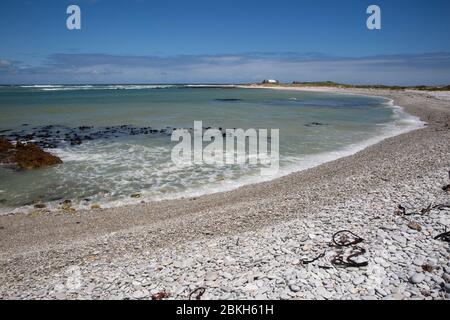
115 140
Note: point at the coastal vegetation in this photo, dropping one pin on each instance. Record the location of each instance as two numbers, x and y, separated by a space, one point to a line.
332 84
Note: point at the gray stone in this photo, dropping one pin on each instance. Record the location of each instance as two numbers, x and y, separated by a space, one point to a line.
141 294
438 280
357 281
398 296
294 288
447 287
417 278
324 293
400 239
370 298
211 276
250 287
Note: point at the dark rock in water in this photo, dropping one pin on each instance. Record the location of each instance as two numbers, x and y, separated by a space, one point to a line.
3 201
55 136
228 100
76 142
66 202
40 206
49 146
315 124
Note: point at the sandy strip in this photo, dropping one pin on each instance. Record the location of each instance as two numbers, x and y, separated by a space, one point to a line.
36 249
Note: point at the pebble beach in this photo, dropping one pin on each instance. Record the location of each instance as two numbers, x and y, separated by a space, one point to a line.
272 240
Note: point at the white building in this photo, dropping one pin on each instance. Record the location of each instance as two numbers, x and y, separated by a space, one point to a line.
271 81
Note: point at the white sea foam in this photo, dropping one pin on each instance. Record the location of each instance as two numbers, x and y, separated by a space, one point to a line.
49 88
66 88
42 86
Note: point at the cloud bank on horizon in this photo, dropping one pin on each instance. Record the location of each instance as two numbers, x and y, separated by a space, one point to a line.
78 68
204 41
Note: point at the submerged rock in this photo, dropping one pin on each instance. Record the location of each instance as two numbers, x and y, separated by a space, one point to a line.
312 124
26 156
56 136
228 100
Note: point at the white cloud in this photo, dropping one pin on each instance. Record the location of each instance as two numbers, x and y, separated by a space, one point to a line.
104 68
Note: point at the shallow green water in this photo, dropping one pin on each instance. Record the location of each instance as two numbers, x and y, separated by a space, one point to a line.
108 171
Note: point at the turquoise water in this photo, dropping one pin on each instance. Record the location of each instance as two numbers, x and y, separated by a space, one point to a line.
110 168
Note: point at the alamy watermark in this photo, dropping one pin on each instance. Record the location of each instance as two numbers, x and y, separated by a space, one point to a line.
73 22
374 20
227 147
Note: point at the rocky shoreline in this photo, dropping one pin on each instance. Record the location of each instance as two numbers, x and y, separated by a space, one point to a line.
55 136
260 241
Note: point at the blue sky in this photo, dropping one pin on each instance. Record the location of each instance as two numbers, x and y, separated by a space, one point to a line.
224 41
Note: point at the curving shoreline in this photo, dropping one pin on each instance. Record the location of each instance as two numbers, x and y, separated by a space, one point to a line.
294 206
55 142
